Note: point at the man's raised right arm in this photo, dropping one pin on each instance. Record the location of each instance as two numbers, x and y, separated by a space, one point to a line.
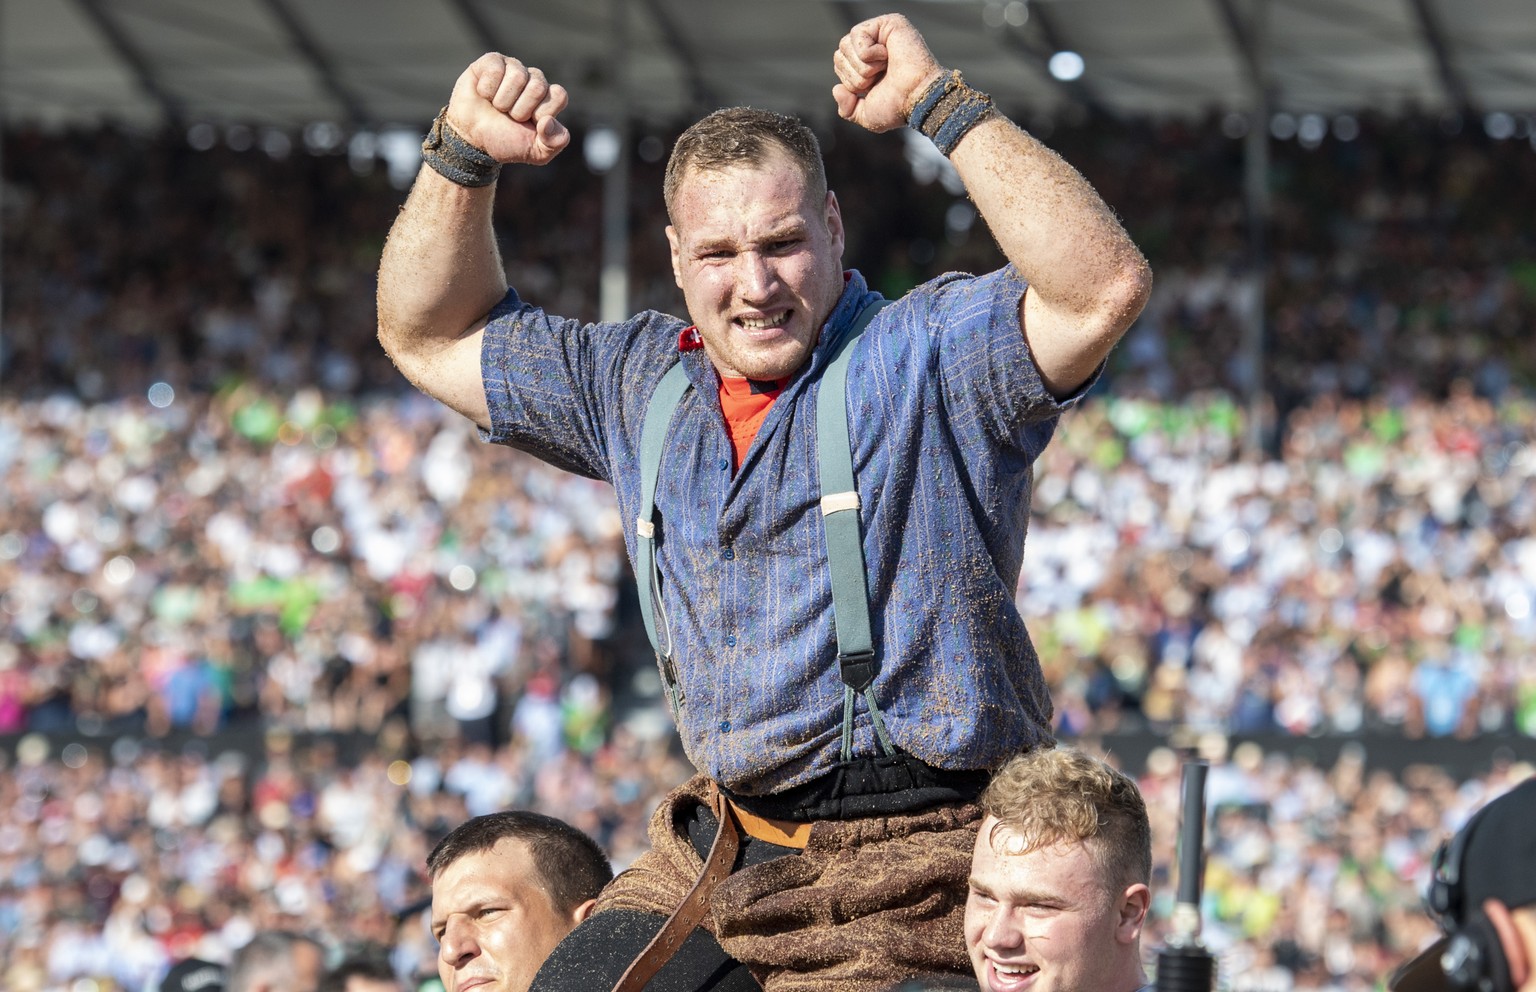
441 274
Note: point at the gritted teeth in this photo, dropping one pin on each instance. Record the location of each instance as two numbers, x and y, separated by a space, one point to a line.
763 323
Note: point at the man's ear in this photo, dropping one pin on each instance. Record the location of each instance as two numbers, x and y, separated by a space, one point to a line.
586 909
1512 937
677 260
834 216
1134 903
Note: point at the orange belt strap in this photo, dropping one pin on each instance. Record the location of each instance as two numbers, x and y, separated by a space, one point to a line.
784 833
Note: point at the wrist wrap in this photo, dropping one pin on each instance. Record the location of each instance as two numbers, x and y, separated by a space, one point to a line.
451 155
948 109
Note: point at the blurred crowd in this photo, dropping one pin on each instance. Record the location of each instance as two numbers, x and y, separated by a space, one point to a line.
1315 874
315 565
1395 257
117 861
225 509
332 565
226 503
1379 574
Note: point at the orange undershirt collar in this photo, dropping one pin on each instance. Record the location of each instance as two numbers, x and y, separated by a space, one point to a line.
745 403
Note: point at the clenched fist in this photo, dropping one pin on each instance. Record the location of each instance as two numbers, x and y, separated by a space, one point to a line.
883 66
509 110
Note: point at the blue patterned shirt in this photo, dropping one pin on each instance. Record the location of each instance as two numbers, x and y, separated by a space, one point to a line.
947 414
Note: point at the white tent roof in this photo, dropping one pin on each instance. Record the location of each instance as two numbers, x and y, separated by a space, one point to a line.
380 62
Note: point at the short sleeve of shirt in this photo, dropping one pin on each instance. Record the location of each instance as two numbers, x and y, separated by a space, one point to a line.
988 373
556 387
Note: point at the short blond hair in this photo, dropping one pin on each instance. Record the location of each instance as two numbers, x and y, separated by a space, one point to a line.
1059 794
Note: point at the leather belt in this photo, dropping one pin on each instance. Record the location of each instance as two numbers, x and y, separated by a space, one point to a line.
721 859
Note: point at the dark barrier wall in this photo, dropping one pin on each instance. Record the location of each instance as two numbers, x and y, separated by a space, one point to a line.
1388 752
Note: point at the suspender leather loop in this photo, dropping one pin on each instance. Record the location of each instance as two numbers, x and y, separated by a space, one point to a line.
858 670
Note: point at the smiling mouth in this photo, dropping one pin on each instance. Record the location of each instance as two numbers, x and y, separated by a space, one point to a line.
1009 975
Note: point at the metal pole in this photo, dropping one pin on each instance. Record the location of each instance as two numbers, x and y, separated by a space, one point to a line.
613 287
1256 192
1184 964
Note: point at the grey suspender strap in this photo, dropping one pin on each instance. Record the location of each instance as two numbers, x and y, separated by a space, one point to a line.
840 518
845 543
653 435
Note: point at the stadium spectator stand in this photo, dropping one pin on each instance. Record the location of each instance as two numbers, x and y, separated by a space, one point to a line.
270 623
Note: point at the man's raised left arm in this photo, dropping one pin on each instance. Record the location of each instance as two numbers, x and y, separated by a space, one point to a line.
1087 280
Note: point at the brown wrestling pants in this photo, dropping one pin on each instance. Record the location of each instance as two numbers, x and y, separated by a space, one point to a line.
868 902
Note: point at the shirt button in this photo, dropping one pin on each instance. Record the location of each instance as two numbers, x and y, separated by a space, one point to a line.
725 726
730 640
728 554
724 464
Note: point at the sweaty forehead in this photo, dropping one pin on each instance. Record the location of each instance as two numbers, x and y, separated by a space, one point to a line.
741 214
776 177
